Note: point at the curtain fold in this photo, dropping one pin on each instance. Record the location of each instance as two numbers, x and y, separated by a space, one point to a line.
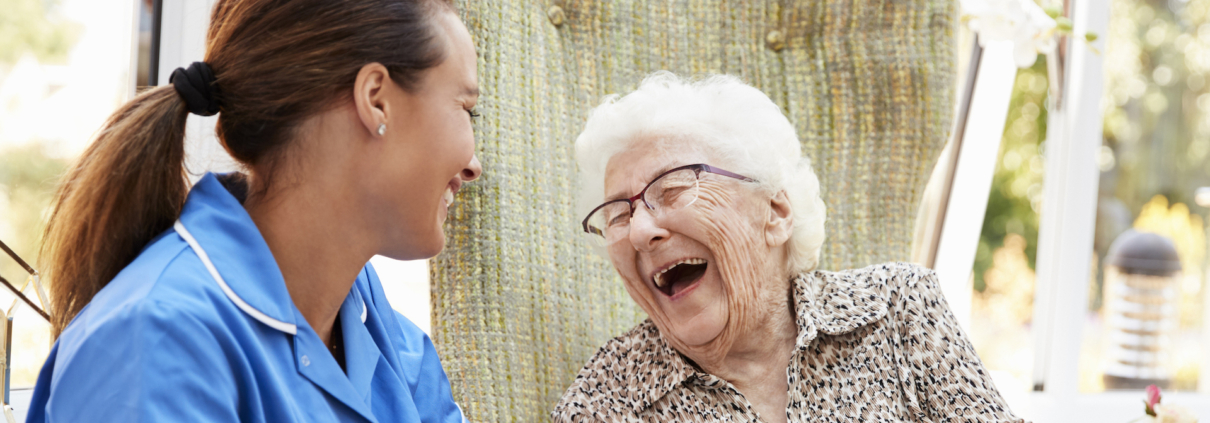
520 299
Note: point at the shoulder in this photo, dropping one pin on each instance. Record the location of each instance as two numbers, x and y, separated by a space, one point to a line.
145 348
165 289
622 367
911 295
143 351
888 280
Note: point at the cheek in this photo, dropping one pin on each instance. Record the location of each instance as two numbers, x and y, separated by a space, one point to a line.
449 137
717 222
432 155
623 259
738 250
726 222
625 265
438 131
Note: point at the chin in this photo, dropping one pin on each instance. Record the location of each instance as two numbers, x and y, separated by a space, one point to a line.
410 249
433 247
697 332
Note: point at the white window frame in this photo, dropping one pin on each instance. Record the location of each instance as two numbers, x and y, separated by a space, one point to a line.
1067 222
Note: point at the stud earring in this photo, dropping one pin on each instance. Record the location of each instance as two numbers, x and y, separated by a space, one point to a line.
382 129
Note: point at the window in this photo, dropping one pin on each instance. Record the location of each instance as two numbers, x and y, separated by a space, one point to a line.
1050 298
64 67
1147 325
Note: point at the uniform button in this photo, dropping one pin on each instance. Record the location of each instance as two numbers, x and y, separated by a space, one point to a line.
555 14
305 361
775 40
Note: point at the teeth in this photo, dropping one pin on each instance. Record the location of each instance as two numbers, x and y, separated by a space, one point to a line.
449 196
659 277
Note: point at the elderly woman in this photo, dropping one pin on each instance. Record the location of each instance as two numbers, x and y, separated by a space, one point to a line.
711 215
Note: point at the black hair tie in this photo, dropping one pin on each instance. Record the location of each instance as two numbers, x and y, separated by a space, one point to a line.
196 86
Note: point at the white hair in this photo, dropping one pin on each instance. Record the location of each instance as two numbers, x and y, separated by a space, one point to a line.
731 119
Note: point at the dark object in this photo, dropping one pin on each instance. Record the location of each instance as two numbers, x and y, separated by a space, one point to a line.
196 86
18 291
1143 253
1119 383
1141 274
153 65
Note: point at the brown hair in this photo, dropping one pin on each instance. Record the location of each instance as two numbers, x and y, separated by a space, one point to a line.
275 63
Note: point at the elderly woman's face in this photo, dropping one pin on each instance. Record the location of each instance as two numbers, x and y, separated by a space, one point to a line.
703 254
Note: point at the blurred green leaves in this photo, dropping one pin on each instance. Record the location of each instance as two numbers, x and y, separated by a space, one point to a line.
32 26
27 183
1016 194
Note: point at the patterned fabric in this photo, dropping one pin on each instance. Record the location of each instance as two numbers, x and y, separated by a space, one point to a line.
519 299
877 344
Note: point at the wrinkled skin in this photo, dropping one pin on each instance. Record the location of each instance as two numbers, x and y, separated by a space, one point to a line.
736 322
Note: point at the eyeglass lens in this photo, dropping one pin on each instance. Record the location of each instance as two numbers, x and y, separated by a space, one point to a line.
671 191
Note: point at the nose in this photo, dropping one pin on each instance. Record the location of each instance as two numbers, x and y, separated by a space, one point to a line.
472 170
645 230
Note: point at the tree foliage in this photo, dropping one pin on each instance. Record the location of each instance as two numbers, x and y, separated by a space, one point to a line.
34 27
1016 194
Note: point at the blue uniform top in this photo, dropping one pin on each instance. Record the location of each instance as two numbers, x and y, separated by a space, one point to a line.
200 327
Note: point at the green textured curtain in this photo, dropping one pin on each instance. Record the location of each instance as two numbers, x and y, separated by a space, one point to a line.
520 302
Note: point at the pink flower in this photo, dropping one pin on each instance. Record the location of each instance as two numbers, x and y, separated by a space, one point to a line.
1153 398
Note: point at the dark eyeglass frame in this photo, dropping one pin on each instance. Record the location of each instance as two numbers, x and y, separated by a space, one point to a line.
698 168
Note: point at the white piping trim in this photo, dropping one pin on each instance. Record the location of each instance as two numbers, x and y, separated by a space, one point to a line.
239 302
365 311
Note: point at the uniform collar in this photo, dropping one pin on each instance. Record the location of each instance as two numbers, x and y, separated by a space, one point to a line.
823 302
361 352
223 235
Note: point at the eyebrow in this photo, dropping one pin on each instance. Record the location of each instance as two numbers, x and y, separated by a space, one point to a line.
668 167
471 91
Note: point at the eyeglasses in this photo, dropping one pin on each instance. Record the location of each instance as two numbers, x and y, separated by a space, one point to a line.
672 190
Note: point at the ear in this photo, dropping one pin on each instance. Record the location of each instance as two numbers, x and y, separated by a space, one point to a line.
369 96
780 224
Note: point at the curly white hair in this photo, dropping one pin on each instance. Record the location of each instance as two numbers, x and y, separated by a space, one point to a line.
733 120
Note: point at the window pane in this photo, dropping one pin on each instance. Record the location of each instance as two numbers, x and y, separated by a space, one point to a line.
64 68
1002 305
1146 317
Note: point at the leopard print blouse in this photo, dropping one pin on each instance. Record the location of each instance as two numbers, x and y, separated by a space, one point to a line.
877 344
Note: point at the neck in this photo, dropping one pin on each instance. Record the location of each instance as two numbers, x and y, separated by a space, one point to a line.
316 243
757 361
760 355
761 331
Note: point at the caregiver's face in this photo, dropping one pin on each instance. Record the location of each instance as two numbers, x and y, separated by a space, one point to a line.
671 259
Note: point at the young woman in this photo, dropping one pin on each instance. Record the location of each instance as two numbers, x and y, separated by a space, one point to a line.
249 297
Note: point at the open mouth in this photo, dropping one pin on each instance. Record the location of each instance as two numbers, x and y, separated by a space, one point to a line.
680 276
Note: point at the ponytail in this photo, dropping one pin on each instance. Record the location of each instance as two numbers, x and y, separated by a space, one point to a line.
127 187
130 184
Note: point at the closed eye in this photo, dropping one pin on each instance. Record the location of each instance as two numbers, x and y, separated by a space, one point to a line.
473 113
